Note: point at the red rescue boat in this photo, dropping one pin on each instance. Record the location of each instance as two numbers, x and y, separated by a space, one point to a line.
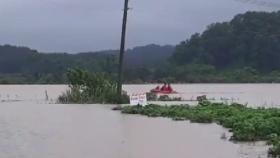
165 89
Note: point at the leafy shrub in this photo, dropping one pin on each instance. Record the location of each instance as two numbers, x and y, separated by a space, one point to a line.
91 88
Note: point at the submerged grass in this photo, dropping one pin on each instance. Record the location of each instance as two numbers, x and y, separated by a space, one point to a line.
246 124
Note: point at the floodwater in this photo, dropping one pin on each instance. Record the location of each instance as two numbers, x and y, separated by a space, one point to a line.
32 127
255 95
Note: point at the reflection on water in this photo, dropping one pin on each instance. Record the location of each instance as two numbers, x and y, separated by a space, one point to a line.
29 130
30 127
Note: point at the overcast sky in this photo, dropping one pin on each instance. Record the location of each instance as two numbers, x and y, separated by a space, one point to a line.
90 25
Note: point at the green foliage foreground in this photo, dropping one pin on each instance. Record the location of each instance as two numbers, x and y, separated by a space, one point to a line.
246 124
91 88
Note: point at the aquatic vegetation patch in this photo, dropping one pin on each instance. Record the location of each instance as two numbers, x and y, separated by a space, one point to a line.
246 124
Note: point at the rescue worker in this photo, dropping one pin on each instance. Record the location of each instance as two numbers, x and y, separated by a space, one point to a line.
164 87
169 88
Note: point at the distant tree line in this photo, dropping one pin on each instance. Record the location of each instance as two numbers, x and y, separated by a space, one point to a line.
245 49
24 65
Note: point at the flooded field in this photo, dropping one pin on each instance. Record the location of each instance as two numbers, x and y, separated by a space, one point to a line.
30 130
31 127
252 94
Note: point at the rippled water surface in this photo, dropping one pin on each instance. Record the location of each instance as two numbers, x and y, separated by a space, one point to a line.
30 127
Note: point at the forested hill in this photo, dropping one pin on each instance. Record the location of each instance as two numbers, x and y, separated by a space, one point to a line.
245 49
143 56
249 40
24 65
148 56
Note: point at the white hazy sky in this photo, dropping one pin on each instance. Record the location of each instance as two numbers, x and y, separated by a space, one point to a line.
89 25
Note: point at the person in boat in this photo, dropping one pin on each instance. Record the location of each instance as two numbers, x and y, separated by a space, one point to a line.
164 88
169 88
157 88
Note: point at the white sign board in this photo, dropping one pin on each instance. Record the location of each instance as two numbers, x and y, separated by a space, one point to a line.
138 99
134 99
143 99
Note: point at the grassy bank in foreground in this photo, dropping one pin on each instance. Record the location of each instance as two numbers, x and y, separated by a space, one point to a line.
246 124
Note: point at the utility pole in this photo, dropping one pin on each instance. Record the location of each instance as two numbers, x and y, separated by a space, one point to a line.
122 50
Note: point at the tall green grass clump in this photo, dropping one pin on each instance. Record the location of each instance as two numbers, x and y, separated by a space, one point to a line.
91 88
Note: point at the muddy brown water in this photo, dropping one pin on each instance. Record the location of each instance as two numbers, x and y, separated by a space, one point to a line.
30 127
252 94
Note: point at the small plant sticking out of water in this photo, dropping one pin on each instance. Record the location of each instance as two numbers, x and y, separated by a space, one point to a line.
224 136
246 124
274 140
91 88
